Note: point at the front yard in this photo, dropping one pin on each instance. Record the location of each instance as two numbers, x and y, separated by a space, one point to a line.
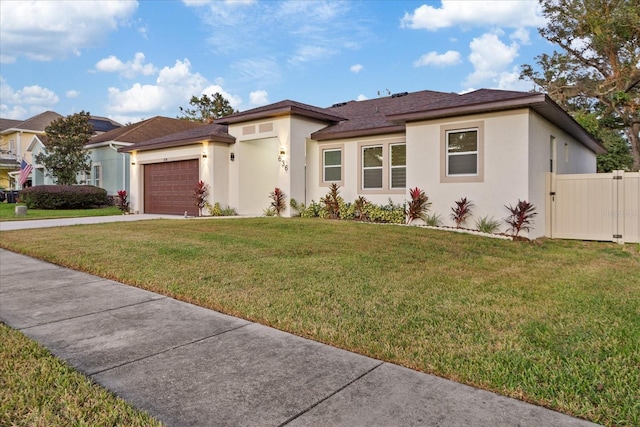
7 212
556 323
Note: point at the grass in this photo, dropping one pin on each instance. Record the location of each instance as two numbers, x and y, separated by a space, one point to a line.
555 323
7 212
37 389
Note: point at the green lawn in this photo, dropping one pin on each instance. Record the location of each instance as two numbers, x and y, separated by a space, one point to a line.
37 389
7 212
556 323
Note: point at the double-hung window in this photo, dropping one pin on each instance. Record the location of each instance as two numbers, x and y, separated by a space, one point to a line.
462 152
332 165
97 175
398 165
372 167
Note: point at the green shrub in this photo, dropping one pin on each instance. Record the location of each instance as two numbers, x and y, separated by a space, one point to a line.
64 197
311 211
216 210
433 220
390 213
488 224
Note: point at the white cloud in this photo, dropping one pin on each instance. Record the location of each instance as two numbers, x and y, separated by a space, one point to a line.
489 57
510 80
25 102
361 97
48 30
356 68
72 94
450 57
259 97
261 72
521 35
310 53
127 69
173 88
473 13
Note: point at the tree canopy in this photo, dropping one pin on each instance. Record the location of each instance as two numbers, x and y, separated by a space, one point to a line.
206 109
597 69
65 154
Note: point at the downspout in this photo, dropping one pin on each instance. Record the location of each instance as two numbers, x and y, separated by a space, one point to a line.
124 165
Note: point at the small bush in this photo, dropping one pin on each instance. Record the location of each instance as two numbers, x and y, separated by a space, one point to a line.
433 220
389 213
269 212
296 208
488 224
64 197
311 211
122 201
216 210
461 211
200 191
331 202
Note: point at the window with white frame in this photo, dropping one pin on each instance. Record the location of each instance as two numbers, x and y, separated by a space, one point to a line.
97 175
398 165
462 152
372 167
332 165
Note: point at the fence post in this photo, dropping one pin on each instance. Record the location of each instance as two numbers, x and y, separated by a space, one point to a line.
550 198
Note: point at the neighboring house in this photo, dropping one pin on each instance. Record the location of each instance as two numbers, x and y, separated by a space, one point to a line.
39 175
14 141
8 158
490 146
110 168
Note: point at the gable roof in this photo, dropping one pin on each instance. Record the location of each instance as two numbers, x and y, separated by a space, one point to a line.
283 108
36 123
205 133
145 130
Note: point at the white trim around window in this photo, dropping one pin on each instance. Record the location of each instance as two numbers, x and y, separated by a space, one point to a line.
462 152
96 174
331 165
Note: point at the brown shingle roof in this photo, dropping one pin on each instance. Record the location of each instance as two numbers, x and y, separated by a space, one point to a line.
145 130
211 133
37 123
8 123
371 116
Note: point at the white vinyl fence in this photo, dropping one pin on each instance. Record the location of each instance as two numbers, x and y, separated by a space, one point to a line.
603 206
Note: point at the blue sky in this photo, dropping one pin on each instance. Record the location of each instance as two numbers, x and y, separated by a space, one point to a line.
131 60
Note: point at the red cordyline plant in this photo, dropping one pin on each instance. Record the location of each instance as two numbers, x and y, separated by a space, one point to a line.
200 195
278 201
461 211
521 217
123 203
418 206
331 201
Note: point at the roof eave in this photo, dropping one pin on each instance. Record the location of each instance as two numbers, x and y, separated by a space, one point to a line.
278 112
319 136
178 143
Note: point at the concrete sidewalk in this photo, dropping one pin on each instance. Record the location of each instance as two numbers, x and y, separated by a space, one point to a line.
61 222
189 366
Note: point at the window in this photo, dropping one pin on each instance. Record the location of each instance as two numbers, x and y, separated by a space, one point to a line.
398 156
462 152
12 146
372 167
97 175
332 165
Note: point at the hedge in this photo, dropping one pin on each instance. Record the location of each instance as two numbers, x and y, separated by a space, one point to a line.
64 197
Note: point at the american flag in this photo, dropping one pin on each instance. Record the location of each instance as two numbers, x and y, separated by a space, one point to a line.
25 171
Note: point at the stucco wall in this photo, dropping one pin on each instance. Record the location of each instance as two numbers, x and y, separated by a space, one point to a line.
115 169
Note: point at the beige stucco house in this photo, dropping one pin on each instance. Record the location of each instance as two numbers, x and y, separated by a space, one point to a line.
492 147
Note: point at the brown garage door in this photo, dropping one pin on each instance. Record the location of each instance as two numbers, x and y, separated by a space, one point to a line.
168 187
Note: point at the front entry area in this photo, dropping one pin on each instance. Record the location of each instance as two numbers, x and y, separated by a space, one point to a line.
168 187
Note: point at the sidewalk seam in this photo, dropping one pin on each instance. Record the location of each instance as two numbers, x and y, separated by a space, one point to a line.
92 313
289 420
169 349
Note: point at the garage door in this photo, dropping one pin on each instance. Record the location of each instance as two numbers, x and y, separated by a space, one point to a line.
168 187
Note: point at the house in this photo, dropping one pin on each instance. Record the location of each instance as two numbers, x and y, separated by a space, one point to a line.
493 147
37 144
109 167
14 141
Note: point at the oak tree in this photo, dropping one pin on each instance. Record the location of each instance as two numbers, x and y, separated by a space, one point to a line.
597 68
65 156
206 109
